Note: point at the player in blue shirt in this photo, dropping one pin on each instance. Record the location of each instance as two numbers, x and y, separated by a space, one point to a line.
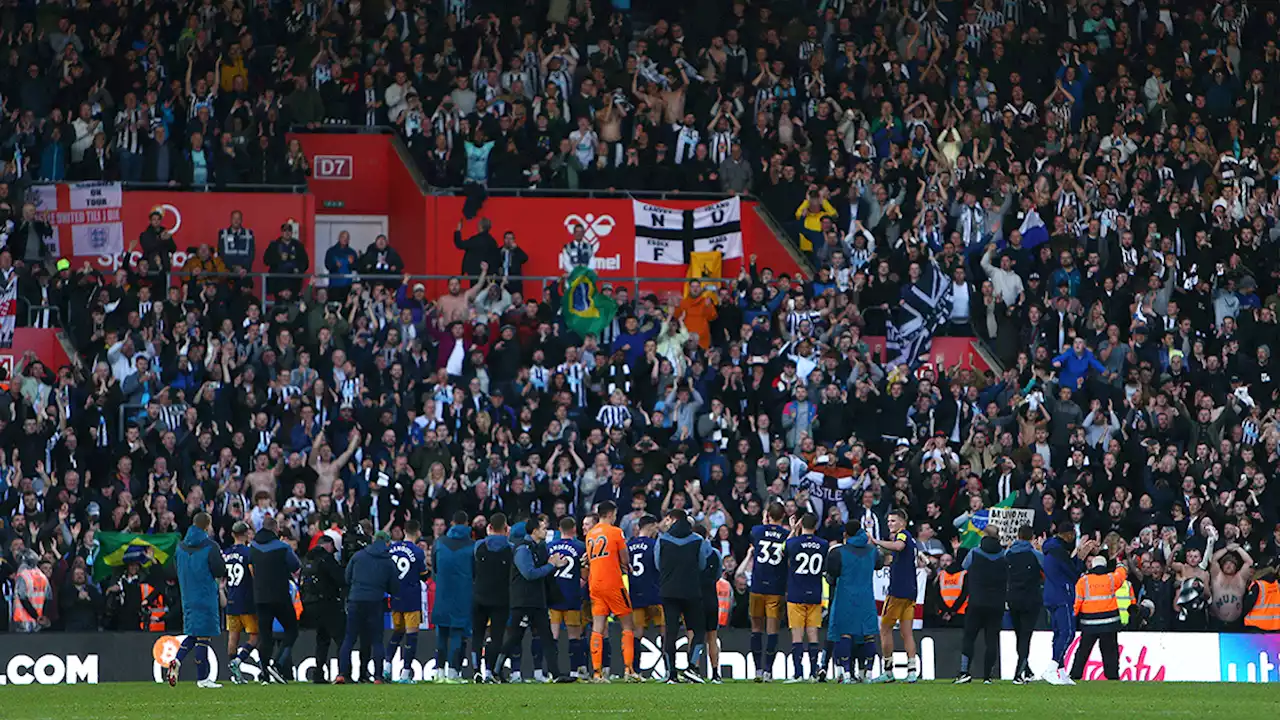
242 614
768 584
406 603
566 609
900 601
646 598
806 556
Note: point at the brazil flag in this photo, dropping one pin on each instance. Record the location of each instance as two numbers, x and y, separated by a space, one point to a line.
971 533
587 311
113 547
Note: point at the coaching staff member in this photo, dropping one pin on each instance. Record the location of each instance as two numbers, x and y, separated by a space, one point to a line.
491 606
322 584
531 565
273 564
679 555
987 580
371 577
1026 590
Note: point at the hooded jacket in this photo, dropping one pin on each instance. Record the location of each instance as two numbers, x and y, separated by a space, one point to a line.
1060 573
199 565
453 560
371 574
987 578
1026 574
850 569
493 571
529 570
273 562
322 578
680 554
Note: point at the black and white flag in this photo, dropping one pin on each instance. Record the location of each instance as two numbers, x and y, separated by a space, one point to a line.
8 309
669 237
926 305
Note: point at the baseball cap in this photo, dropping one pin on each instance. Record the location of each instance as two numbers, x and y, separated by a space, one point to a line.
1098 561
63 264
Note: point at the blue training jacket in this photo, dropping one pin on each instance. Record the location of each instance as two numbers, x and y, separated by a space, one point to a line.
1060 573
199 564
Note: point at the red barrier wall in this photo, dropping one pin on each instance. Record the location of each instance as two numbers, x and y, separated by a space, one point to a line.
952 349
409 214
351 174
542 227
354 174
196 218
44 342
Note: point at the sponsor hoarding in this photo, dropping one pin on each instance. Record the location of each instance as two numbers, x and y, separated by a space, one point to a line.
1250 657
1144 656
62 658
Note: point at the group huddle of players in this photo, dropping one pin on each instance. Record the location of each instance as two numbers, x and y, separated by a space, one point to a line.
603 577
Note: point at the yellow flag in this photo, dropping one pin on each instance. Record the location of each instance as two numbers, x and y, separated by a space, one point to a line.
705 265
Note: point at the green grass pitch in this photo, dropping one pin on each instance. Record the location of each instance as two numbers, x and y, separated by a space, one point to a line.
933 700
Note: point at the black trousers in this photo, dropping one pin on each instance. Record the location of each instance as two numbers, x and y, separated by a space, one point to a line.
268 613
1110 642
540 625
986 621
694 614
330 624
494 618
1024 623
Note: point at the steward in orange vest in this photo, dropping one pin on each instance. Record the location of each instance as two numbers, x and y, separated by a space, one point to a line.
724 599
1262 603
30 595
1098 617
955 596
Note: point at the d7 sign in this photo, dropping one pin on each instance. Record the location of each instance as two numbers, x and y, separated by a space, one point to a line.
332 167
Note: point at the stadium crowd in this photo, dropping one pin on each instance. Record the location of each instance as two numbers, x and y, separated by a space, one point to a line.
1136 407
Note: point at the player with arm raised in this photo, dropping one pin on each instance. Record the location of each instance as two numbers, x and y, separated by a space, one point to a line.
406 603
806 554
900 602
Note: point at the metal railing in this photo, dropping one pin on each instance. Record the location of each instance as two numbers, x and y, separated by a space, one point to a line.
215 187
123 413
323 280
33 312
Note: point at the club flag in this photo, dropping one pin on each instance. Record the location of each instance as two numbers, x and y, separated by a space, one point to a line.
8 312
587 311
117 548
971 533
1033 230
665 236
708 265
925 305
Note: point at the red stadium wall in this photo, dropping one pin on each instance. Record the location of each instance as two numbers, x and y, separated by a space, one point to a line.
952 349
195 219
408 217
44 342
542 227
351 174
354 174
